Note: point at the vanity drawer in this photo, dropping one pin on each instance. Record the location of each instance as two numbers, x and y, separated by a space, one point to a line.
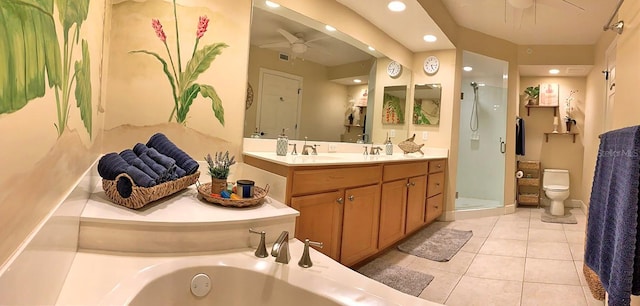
310 181
434 208
401 171
435 184
437 165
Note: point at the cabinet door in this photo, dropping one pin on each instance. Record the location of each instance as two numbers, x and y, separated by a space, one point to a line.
393 210
416 195
360 224
320 220
434 208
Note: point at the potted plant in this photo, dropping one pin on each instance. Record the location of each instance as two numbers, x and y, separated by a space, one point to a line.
219 170
532 94
569 122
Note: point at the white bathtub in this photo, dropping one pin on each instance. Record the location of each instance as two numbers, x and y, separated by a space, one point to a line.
236 281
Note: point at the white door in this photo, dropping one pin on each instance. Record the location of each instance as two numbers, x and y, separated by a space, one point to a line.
611 87
279 103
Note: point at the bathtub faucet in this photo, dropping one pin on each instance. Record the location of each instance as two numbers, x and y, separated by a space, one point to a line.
280 249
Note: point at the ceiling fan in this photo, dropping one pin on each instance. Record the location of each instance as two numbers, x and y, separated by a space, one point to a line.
296 42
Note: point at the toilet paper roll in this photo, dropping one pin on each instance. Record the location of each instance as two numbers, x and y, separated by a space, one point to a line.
519 174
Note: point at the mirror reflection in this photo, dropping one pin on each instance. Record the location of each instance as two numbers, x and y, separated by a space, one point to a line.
305 80
426 104
394 104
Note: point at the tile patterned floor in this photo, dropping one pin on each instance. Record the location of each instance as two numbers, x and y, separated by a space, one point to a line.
512 259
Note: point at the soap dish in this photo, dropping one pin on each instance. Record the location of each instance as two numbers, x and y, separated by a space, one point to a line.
258 194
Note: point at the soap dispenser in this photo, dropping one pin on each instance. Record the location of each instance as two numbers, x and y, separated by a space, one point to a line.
282 144
388 146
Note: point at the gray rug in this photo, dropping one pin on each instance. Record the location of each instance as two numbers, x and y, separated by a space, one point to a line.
436 243
568 218
404 280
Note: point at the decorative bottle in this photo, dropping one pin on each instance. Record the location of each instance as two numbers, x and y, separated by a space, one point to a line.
282 144
388 147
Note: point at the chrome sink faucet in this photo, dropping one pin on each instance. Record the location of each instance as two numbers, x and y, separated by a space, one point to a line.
280 249
375 150
306 147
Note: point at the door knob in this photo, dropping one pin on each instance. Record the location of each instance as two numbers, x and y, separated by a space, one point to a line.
340 200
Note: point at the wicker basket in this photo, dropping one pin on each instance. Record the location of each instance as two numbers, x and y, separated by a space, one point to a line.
141 196
258 194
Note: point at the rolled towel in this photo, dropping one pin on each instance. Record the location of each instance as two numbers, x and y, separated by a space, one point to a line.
140 178
161 159
162 144
157 168
133 160
180 172
111 165
140 148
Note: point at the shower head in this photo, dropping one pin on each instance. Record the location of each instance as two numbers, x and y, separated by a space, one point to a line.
474 85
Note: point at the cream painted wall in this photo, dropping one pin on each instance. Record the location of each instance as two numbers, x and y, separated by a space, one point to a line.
139 93
323 102
380 130
39 168
559 152
626 110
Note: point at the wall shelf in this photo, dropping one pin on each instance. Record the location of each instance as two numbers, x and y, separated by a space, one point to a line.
349 126
568 134
555 108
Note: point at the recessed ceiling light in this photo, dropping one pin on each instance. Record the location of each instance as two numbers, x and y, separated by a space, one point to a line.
371 48
396 6
505 76
429 38
467 68
554 71
272 4
357 81
330 28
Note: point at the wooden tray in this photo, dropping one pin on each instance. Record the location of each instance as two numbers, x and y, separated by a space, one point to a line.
258 194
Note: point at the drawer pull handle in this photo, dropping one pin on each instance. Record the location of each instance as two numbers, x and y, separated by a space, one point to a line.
351 198
436 207
408 184
413 183
340 200
439 166
437 184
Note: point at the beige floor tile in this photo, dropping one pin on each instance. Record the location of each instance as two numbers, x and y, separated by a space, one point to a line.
441 286
545 225
578 265
485 221
474 244
546 235
577 211
589 297
536 294
518 216
478 230
457 265
574 237
577 251
513 223
504 247
398 258
497 267
472 291
509 233
574 227
549 250
551 271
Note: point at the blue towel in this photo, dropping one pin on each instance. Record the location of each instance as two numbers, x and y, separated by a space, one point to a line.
612 242
161 159
162 144
133 160
520 136
140 148
111 165
157 168
139 177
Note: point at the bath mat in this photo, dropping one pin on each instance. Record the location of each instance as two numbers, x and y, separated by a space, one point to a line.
436 243
404 280
568 218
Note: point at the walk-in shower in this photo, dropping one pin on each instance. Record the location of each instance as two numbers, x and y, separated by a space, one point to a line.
482 122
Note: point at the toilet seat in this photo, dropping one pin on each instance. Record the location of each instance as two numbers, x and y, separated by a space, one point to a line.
556 188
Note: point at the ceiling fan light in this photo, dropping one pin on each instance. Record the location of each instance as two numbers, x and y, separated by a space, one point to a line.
299 48
521 4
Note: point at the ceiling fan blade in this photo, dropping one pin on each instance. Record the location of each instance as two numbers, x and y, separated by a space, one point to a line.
290 37
276 45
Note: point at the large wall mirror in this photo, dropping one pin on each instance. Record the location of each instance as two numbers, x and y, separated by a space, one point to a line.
426 104
309 81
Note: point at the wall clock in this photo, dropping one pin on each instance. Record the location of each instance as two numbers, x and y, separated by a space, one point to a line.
394 69
431 65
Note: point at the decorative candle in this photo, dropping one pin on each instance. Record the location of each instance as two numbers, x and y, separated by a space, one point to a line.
556 120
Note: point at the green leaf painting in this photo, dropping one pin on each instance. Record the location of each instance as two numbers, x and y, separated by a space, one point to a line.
183 85
30 53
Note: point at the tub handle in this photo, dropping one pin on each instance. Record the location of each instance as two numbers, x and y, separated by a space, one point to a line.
261 251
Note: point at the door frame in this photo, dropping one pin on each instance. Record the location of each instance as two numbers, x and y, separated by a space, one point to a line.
609 84
264 71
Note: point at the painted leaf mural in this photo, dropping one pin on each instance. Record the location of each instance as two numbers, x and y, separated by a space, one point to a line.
29 51
183 85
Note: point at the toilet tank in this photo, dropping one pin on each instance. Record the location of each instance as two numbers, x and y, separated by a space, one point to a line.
555 177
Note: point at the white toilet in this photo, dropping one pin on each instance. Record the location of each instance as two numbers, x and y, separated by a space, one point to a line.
555 183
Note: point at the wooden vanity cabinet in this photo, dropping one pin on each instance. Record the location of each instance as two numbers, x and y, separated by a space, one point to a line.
402 205
435 190
339 207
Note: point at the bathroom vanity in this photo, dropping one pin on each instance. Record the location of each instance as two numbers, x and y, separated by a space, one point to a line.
356 204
